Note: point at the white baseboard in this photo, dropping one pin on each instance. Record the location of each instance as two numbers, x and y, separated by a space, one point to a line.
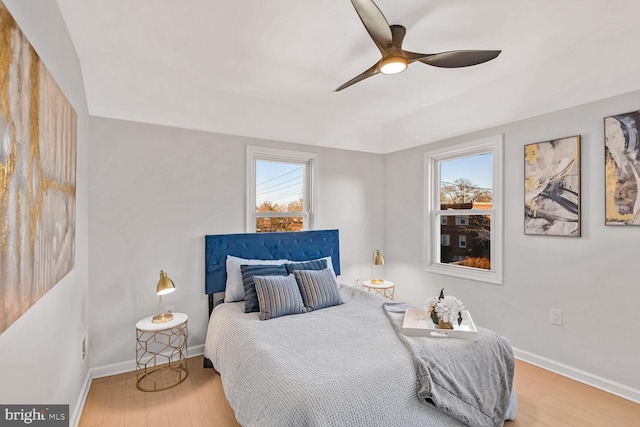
113 369
82 399
130 365
621 390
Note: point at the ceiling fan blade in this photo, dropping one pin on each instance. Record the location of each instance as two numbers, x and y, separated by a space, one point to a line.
397 35
370 72
455 58
374 22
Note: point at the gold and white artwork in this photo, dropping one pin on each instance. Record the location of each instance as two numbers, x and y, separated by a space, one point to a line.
37 176
552 187
622 169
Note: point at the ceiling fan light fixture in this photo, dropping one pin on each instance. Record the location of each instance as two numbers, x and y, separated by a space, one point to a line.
388 39
393 65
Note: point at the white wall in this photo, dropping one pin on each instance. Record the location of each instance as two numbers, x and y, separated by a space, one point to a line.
156 191
40 360
593 279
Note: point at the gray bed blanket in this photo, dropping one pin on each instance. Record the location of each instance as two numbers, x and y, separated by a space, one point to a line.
470 380
341 366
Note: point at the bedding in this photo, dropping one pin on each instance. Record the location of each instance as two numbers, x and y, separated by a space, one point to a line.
319 288
248 272
477 393
278 296
317 264
341 365
234 290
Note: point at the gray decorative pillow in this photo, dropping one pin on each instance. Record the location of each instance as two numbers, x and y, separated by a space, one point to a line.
248 271
278 296
318 288
316 264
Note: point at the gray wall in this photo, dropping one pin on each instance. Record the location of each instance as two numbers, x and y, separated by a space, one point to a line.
40 360
591 278
156 191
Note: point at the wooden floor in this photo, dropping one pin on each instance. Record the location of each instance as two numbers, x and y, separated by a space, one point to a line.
198 401
544 399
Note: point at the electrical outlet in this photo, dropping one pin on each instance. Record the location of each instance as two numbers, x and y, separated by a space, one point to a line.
169 309
555 317
84 349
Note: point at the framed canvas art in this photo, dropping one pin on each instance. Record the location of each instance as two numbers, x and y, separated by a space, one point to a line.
37 176
622 169
552 187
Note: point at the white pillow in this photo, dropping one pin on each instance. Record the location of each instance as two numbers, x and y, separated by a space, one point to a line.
235 289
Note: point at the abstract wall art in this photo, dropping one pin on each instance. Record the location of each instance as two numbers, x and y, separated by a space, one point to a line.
622 169
37 176
552 187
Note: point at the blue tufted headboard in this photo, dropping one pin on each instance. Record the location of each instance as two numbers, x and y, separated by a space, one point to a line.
295 246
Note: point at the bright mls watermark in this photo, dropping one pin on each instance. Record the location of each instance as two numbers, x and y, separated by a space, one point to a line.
37 415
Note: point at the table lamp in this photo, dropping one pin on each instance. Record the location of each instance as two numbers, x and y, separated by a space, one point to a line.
377 260
165 286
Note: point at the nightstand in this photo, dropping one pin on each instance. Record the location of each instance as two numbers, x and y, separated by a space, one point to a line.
161 351
385 289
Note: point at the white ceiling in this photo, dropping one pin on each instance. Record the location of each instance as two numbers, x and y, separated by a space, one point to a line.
268 69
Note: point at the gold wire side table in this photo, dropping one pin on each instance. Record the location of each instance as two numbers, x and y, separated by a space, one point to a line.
385 289
161 353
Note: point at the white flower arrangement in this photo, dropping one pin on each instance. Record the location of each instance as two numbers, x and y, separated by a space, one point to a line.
446 308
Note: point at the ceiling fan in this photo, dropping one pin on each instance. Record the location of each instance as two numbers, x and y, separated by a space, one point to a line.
388 39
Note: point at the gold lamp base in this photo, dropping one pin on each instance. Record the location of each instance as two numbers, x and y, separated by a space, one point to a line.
162 318
377 281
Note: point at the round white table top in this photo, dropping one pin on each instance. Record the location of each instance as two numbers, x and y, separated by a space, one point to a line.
384 285
147 325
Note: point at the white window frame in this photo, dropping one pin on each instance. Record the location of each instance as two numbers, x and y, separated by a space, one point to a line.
432 212
462 241
310 160
445 240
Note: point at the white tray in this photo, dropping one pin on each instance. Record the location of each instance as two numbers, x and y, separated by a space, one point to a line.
418 324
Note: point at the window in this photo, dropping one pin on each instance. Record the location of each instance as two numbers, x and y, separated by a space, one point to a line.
462 220
280 193
465 182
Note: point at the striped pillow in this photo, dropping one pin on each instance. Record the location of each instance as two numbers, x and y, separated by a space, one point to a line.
318 288
316 264
278 296
234 290
248 271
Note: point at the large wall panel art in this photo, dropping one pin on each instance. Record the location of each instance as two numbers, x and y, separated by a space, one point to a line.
552 187
37 176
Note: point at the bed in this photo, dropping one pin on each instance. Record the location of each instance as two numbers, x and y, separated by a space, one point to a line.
340 365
